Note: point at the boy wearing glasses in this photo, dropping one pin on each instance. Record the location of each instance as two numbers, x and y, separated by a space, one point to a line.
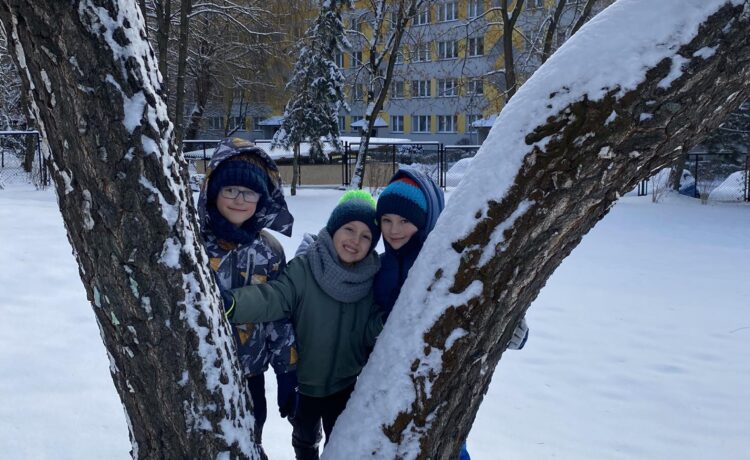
241 197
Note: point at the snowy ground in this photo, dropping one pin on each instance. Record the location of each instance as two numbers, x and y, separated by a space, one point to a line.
638 345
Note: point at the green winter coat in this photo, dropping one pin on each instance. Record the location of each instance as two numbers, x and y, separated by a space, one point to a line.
334 338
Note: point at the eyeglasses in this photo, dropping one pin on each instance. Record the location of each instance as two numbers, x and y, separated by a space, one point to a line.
248 196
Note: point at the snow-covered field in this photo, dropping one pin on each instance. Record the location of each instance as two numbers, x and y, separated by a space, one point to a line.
638 346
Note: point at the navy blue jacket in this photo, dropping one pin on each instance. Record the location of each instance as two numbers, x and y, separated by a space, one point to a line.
395 264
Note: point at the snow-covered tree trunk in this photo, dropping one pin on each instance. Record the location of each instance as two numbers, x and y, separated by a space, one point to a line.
600 115
95 91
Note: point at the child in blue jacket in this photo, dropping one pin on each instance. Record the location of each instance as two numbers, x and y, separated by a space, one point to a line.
407 210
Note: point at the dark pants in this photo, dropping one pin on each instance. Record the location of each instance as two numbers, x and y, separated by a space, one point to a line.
257 386
310 412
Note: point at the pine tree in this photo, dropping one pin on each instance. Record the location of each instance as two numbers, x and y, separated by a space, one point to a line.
317 87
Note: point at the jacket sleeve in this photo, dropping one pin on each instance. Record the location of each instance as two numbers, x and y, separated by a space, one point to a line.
274 300
374 327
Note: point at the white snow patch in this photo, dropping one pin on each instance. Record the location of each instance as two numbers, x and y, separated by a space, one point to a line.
678 63
88 221
170 255
705 52
494 245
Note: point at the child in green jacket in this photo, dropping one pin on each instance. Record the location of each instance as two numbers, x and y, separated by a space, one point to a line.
327 294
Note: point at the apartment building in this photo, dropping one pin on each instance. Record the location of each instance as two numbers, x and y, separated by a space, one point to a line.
448 77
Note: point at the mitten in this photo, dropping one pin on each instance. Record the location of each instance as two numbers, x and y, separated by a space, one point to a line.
287 394
520 334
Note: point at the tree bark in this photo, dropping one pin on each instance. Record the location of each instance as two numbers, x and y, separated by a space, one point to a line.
549 35
561 190
295 169
122 189
509 23
179 111
163 23
584 16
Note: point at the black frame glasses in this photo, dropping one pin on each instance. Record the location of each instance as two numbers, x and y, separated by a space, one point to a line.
248 196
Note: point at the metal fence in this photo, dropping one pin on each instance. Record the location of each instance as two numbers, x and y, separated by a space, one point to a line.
21 160
384 159
720 176
712 176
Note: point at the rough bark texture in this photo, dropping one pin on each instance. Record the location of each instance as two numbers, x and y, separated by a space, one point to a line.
122 194
509 24
572 187
179 112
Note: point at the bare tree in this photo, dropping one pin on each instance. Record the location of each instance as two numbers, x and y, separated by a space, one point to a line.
122 193
389 20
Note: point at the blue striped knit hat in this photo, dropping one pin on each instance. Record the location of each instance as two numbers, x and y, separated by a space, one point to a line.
355 205
404 197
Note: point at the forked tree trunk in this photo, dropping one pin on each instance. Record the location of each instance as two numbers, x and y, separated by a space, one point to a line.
123 198
94 90
477 276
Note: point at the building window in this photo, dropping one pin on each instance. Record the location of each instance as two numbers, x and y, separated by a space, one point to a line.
356 59
476 46
447 123
447 88
422 17
399 57
338 57
355 118
470 119
448 49
236 122
476 8
420 88
358 92
397 89
447 11
357 24
397 123
256 124
342 123
476 86
216 123
420 123
536 4
421 53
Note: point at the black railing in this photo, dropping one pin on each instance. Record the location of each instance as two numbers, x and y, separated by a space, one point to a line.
430 157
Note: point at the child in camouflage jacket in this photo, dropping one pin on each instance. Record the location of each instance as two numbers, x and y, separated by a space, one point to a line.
242 196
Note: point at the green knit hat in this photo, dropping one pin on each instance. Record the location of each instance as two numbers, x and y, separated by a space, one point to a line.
355 205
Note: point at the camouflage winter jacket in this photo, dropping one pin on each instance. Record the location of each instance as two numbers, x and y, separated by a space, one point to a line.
262 259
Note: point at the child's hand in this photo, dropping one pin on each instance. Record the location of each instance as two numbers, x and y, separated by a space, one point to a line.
287 394
520 335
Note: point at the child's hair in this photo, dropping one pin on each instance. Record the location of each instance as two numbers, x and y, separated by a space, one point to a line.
404 198
355 205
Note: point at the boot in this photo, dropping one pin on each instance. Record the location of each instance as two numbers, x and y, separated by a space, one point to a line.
306 453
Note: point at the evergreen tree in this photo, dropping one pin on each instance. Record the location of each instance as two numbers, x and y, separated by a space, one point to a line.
317 87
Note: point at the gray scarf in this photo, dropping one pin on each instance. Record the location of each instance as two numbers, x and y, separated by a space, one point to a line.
344 283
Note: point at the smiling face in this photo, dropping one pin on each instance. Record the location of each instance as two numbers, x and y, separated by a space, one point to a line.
236 210
397 231
352 241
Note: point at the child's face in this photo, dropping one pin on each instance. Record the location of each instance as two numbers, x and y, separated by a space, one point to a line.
237 204
397 231
352 241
